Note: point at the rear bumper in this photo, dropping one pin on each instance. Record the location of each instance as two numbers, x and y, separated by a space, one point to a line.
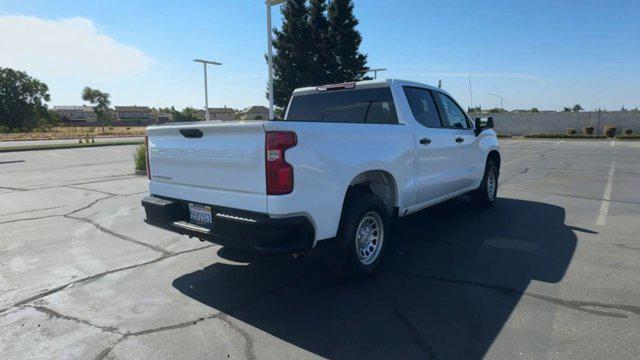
234 228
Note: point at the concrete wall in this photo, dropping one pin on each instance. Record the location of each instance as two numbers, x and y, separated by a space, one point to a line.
556 123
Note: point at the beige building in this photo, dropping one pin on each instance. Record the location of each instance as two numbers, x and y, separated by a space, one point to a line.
76 114
255 113
200 115
224 114
164 117
133 113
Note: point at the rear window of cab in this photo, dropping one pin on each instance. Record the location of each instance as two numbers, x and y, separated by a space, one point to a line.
358 106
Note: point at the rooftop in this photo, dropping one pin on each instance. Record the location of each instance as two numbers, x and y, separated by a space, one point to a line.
132 108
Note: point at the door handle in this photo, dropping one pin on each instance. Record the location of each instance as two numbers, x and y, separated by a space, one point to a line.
191 133
425 141
459 140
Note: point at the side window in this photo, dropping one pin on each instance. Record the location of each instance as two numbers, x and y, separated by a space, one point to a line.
453 115
422 106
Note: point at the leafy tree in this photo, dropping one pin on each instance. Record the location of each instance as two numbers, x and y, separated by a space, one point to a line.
535 110
577 108
346 42
279 113
48 119
566 109
623 108
22 100
293 59
100 101
474 109
187 114
323 59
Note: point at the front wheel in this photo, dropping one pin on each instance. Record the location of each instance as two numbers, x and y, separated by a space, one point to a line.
361 241
486 194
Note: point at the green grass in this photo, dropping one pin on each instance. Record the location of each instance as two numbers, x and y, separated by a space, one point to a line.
65 146
140 157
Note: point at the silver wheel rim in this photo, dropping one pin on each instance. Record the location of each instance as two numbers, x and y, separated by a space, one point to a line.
369 238
491 184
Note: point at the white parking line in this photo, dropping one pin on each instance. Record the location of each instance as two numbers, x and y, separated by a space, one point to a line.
613 142
604 205
559 142
56 155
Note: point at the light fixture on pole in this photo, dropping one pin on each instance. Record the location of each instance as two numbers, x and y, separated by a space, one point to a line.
374 71
501 100
206 91
271 3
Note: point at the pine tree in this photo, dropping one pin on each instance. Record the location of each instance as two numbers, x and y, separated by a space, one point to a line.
346 42
293 58
323 58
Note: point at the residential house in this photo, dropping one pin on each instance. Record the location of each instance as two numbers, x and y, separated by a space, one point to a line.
133 114
223 114
164 117
76 114
255 113
200 115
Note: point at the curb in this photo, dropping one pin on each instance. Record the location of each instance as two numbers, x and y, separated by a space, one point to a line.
65 146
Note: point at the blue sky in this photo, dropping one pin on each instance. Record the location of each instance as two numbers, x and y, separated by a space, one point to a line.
546 54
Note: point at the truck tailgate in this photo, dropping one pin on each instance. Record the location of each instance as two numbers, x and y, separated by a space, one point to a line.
212 163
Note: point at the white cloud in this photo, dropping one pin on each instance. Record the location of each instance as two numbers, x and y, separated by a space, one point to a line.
66 48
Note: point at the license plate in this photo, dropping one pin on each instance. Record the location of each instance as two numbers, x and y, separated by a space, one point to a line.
200 214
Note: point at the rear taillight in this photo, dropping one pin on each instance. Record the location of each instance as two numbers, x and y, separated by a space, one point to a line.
279 172
146 146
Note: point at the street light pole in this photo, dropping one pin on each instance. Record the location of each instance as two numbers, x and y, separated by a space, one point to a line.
271 3
501 100
206 90
206 94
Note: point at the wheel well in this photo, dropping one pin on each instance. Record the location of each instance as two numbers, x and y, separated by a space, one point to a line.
378 182
495 156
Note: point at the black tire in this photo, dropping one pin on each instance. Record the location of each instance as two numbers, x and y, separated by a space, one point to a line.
364 211
485 196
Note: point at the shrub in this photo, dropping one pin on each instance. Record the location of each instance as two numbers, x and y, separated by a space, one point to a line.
588 130
140 158
627 132
110 128
628 137
4 129
41 126
128 128
609 131
570 131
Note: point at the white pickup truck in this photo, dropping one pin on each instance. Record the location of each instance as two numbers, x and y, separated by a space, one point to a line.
345 160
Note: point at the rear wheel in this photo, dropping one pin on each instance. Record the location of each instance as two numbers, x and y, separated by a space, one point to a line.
486 194
360 245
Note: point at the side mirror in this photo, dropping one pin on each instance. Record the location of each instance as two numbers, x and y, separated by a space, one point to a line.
483 123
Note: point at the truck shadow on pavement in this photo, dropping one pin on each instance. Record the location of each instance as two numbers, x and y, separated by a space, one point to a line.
451 279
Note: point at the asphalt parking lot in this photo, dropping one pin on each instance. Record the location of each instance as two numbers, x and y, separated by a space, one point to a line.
552 272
